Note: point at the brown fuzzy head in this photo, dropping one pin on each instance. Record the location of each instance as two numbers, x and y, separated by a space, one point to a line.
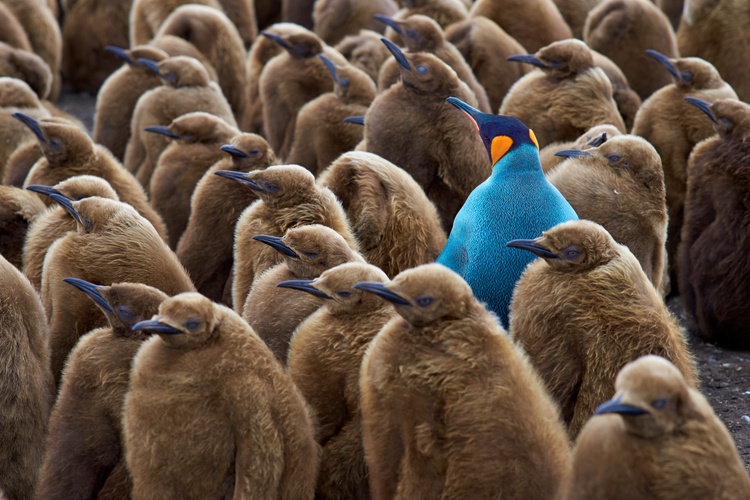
316 248
572 247
249 152
350 82
429 76
338 283
732 119
100 214
186 321
421 33
690 73
202 127
26 66
63 143
596 136
282 185
299 44
652 397
79 187
183 71
17 94
426 294
565 59
364 51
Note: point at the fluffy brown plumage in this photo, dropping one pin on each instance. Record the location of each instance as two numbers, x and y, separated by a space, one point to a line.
575 12
289 198
365 51
620 185
335 19
206 246
18 210
674 127
593 137
396 225
714 248
26 387
659 438
16 96
255 439
27 66
584 310
566 98
11 30
324 361
444 12
84 445
146 16
274 312
441 378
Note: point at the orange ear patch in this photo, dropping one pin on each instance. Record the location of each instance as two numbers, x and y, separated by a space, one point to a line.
500 145
533 138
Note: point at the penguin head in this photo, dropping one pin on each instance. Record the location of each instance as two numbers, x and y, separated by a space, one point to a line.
364 51
350 82
731 117
561 59
179 71
279 185
201 127
423 73
15 93
691 73
185 321
96 214
338 283
249 152
596 136
419 33
299 44
27 66
425 294
651 397
572 247
131 56
63 143
77 188
499 133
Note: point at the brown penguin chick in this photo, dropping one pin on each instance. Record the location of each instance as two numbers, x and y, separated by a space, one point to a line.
68 151
186 88
325 356
289 81
321 135
176 46
206 246
255 439
623 30
715 31
577 344
486 47
113 244
84 444
620 185
410 125
214 35
55 222
396 225
27 390
574 12
16 96
242 13
335 19
442 374
90 26
27 66
20 162
657 438
119 94
566 98
713 278
444 12
534 24
592 138
674 127
275 312
11 30
289 198
43 34
18 210
196 139
422 34
146 16
365 51
628 101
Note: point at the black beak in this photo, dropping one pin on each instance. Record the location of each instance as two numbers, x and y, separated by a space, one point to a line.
703 106
532 247
665 61
154 326
277 243
121 53
45 190
379 289
388 21
237 153
470 111
152 65
357 120
528 59
32 123
305 286
239 177
615 406
276 38
400 57
598 140
331 67
572 153
161 130
67 204
91 290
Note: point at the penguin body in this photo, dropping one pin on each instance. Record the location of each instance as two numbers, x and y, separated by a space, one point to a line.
18 211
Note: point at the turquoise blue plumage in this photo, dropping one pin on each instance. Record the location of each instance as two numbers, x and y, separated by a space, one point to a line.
515 202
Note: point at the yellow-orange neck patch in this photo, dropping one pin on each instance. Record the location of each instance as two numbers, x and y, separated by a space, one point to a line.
500 145
533 138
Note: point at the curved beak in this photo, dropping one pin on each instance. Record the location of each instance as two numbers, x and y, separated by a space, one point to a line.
572 153
397 53
528 59
154 326
152 65
45 190
67 204
379 289
276 38
277 243
92 291
121 53
161 130
665 61
305 286
235 152
470 111
598 140
615 406
388 21
239 177
32 123
533 247
357 120
331 67
703 106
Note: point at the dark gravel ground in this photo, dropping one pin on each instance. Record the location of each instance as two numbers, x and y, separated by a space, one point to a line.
725 375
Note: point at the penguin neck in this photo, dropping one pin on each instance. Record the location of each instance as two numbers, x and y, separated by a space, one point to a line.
522 159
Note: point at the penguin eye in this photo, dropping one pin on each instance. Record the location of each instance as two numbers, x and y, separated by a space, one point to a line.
411 33
187 138
726 122
271 187
571 253
56 143
556 63
311 255
124 312
343 294
192 324
614 158
254 152
424 301
660 403
344 82
686 76
170 77
422 70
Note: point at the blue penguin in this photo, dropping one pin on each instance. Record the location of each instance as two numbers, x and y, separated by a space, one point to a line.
516 201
